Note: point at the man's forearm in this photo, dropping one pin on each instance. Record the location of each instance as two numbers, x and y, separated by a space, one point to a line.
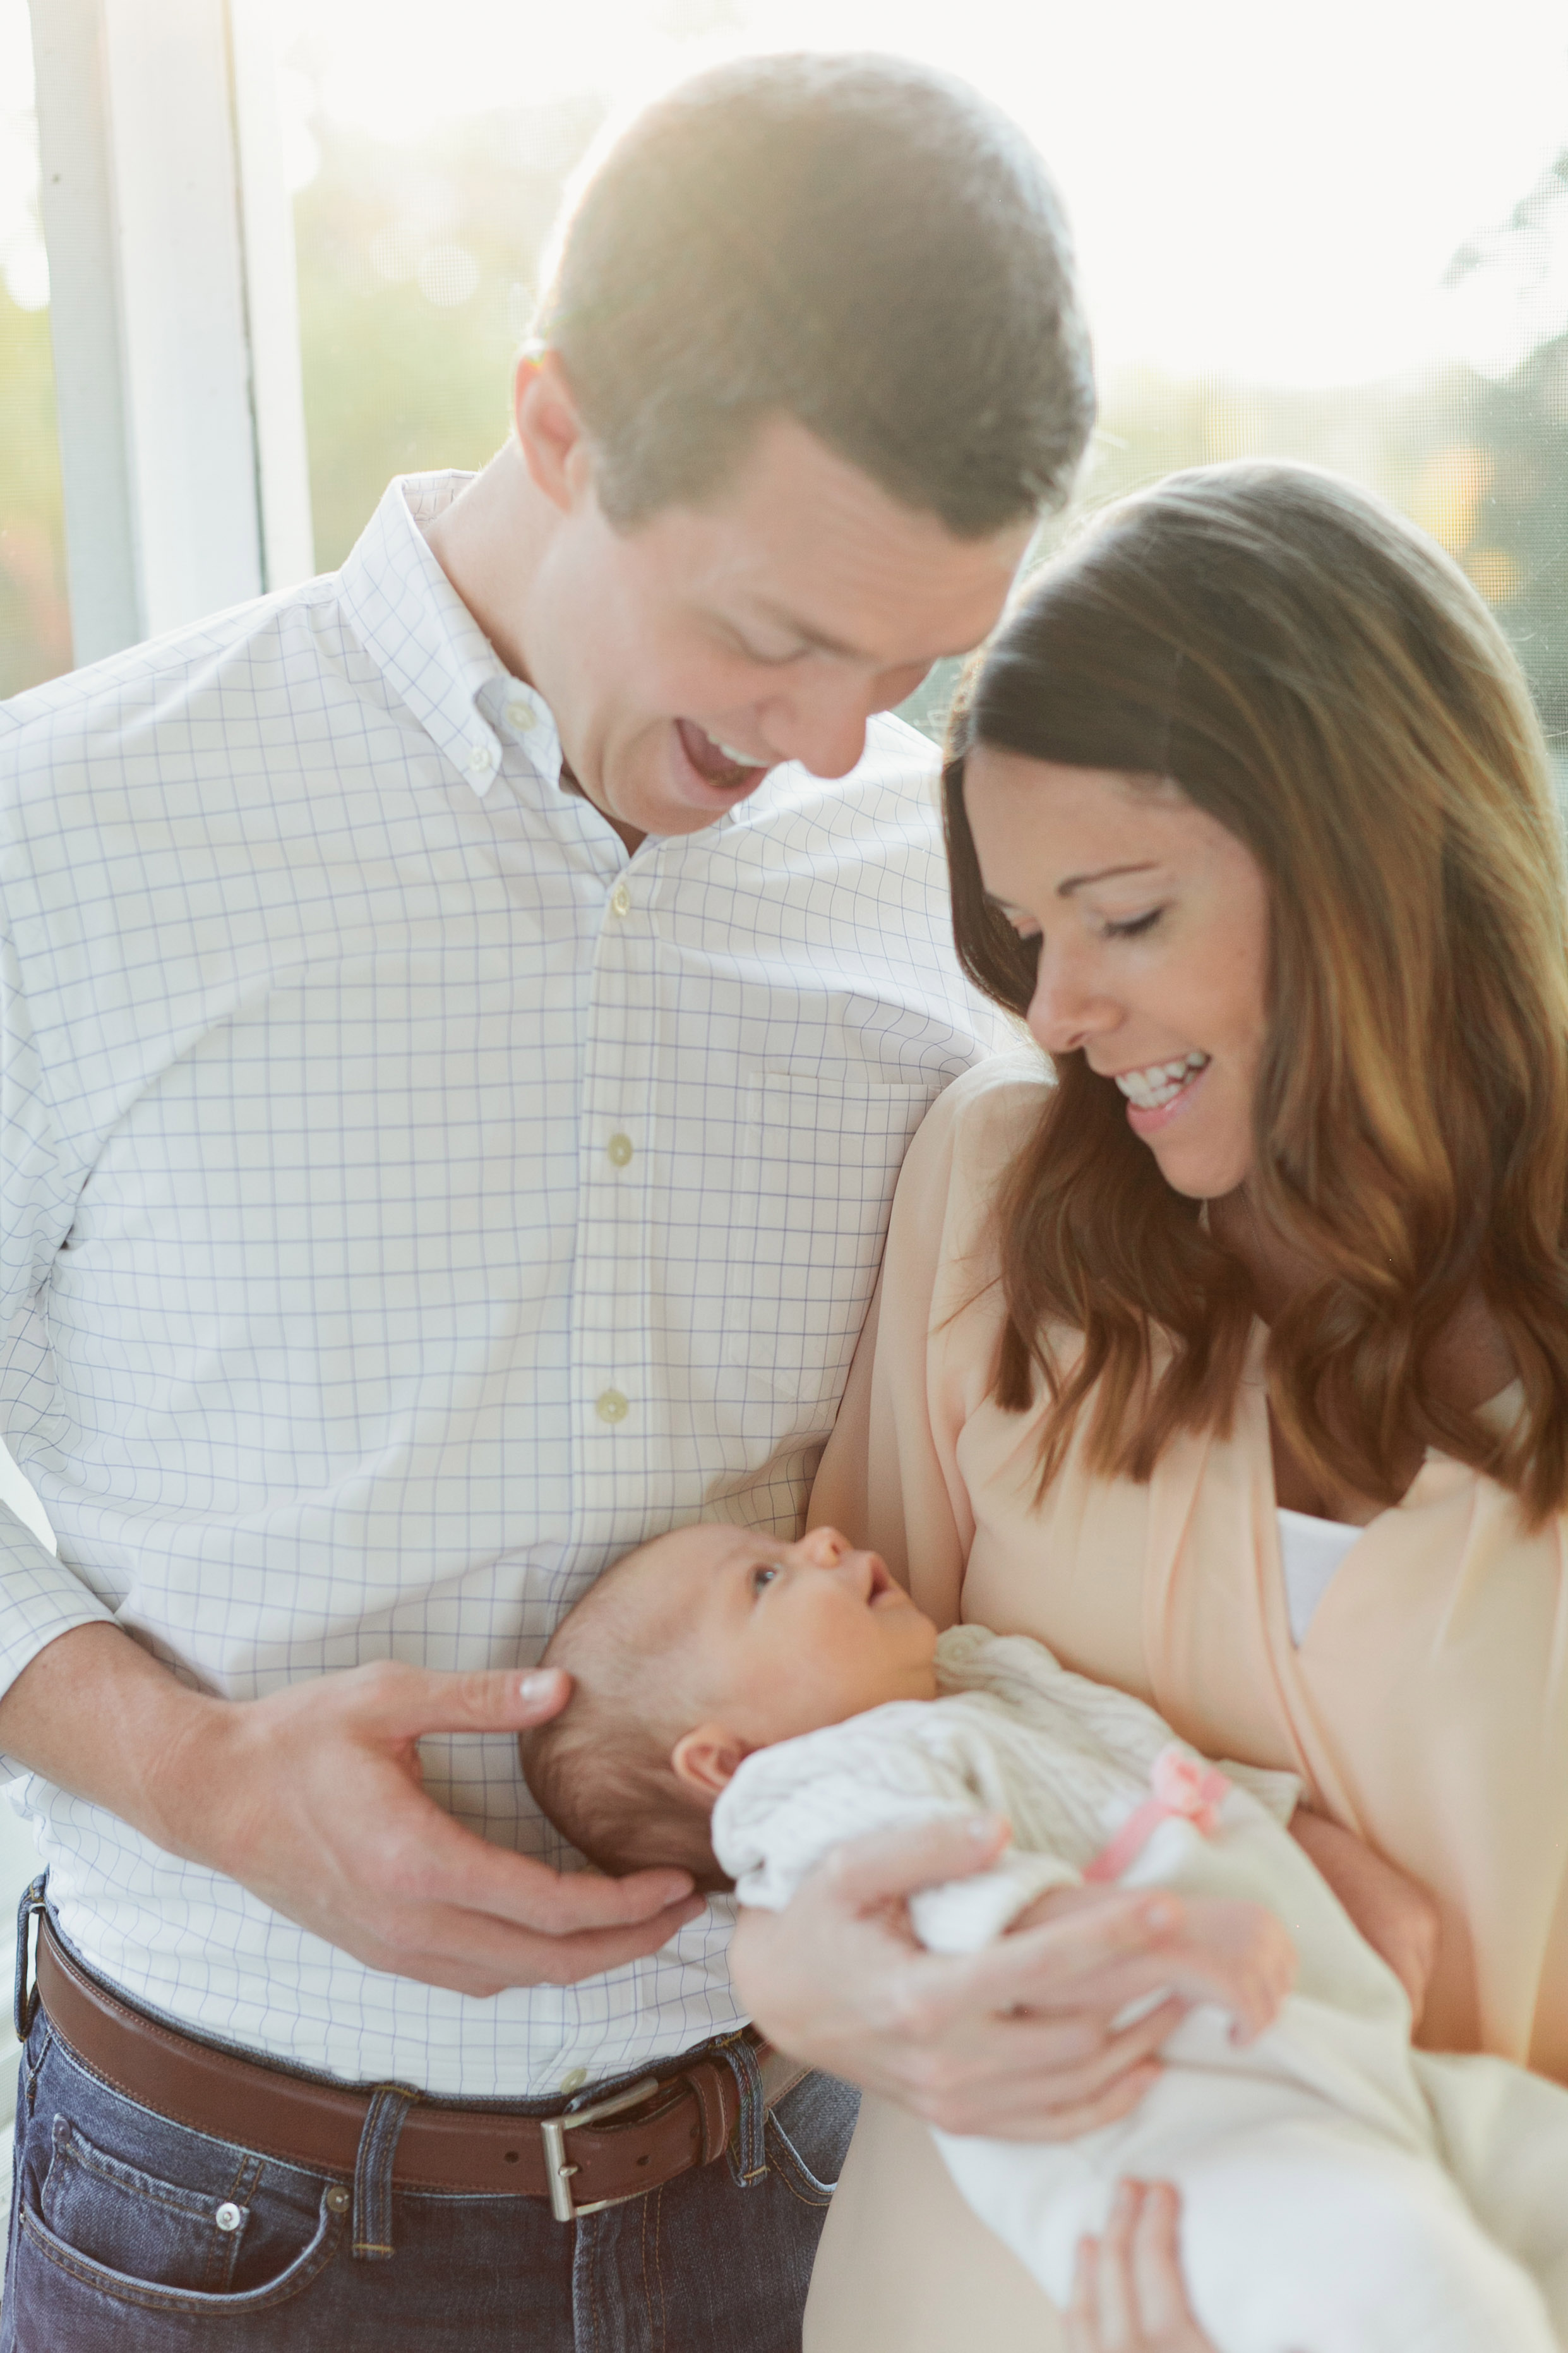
94 1714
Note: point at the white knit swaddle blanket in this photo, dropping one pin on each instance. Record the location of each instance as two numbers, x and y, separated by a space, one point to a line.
1332 2179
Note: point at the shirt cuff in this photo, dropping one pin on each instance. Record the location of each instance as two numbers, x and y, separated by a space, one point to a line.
40 1599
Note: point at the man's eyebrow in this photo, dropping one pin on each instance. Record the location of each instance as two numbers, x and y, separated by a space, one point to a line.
1103 874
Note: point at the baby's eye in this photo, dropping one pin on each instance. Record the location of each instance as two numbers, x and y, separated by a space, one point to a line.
763 1573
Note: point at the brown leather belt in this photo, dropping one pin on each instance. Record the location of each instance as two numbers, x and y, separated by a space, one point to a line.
632 2141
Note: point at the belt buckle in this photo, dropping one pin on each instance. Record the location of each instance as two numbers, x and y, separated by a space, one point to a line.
553 2131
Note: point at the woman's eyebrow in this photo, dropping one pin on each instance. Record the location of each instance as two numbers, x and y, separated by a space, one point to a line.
1103 874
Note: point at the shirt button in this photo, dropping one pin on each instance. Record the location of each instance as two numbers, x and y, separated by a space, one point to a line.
572 2081
611 1406
229 2215
481 756
620 900
521 714
619 1148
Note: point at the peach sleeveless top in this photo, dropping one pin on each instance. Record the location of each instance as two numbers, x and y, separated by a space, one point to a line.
1427 1706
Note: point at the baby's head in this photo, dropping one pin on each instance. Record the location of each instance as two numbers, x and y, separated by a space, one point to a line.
694 1651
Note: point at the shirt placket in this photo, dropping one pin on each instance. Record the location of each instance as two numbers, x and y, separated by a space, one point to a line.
616 1411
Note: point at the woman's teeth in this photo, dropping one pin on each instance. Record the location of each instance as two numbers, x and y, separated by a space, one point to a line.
1160 1082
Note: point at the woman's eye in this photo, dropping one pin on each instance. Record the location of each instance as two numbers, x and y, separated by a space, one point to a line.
763 1573
1135 926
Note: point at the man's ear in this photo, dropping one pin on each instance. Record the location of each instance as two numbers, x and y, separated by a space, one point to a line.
550 429
708 1760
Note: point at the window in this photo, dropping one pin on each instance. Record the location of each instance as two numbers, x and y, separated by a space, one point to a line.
35 616
1340 237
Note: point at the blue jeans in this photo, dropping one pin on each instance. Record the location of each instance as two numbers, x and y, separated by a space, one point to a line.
130 2231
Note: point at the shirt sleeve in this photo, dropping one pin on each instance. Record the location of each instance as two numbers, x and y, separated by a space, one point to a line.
41 1597
789 1806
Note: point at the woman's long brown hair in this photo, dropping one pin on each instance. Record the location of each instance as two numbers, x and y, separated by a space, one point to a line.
1318 677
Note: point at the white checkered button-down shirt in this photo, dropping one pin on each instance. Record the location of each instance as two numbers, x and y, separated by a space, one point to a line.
410 1203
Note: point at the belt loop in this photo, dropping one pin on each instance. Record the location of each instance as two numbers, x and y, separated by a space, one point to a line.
25 2007
389 2104
747 2150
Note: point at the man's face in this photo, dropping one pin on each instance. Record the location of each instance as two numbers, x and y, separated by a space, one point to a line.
684 659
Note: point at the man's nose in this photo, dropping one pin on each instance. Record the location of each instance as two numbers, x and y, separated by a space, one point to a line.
823 728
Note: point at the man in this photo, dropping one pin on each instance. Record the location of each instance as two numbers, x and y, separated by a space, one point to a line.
463 1020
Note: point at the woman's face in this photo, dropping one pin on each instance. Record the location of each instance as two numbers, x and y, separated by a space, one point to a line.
1154 929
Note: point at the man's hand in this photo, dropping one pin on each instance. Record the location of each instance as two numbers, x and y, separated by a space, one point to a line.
1015 2041
1396 1916
1129 2296
312 1799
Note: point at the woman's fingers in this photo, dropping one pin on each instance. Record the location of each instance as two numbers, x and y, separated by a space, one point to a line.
1160 2289
1043 2079
1129 2295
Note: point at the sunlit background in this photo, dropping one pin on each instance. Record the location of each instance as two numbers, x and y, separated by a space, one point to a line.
1338 233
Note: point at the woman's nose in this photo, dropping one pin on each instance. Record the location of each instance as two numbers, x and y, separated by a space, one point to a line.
1067 1009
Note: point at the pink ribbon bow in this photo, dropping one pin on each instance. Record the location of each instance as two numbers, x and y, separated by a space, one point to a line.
1183 1790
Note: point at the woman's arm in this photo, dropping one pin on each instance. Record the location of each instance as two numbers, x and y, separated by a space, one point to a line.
1396 1916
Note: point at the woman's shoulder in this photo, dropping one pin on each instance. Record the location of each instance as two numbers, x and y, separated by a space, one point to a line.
976 1124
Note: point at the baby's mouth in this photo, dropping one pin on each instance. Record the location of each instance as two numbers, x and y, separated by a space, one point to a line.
716 763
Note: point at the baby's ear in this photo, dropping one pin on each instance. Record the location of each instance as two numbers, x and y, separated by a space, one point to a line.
707 1759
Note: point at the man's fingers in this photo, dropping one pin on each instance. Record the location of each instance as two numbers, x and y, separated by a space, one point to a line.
402 1701
891 1864
471 1953
469 1874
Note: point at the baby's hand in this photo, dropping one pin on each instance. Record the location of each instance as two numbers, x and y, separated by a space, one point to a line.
1128 2293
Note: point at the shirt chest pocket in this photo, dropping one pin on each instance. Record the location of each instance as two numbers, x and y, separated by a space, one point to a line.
815 1175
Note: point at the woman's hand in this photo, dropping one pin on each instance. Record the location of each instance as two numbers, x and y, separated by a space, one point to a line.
1128 2295
1396 1916
1015 2041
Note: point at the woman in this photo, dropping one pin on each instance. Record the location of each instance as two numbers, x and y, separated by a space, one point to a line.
1234 1365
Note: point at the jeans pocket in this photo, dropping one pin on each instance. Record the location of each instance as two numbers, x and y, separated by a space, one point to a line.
132 2222
138 2239
808 2136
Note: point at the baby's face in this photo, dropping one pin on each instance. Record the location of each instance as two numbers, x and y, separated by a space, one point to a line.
784 1638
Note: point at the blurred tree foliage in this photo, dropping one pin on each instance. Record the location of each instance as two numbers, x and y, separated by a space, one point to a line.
418 267
35 616
417 274
1508 481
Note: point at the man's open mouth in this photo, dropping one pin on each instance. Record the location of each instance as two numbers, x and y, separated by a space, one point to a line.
716 763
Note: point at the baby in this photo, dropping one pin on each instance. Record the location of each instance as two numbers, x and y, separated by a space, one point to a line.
739 1707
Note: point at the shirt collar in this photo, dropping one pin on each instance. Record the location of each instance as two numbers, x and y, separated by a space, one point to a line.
430 649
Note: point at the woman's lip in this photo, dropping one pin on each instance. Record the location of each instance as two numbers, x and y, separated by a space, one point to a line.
1151 1122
